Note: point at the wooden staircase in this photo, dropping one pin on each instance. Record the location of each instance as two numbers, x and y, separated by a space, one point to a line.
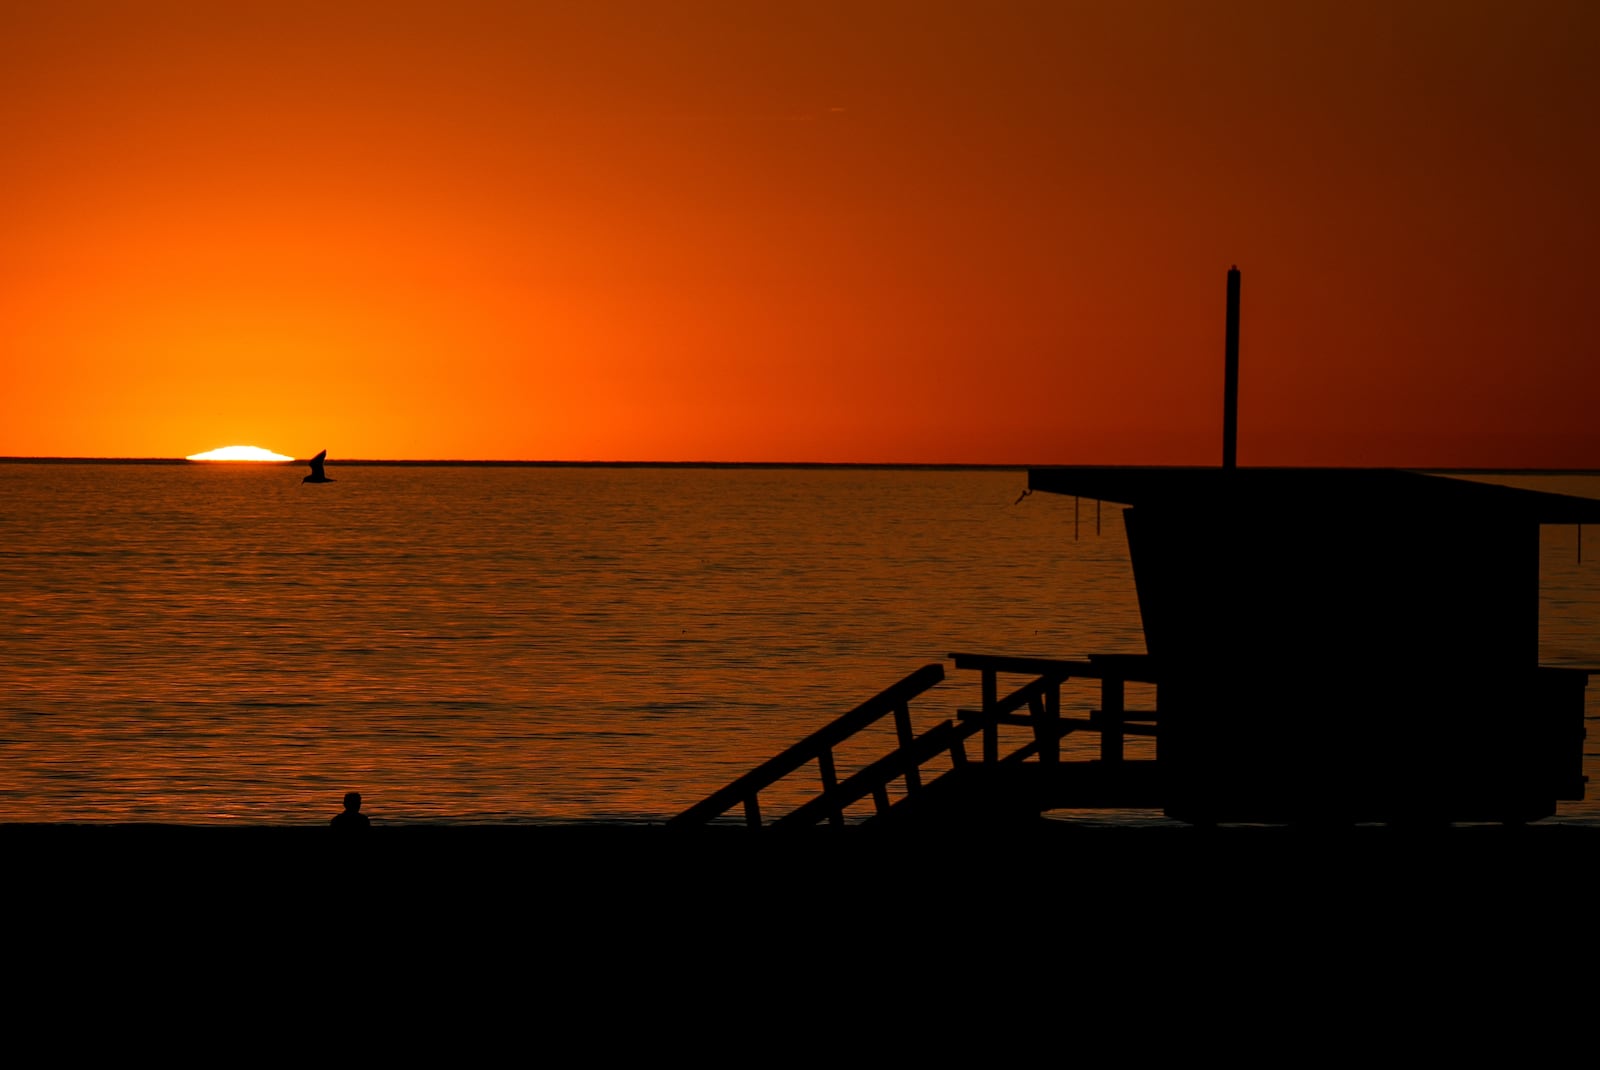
1016 786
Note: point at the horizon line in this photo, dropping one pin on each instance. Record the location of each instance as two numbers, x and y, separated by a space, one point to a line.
500 463
371 462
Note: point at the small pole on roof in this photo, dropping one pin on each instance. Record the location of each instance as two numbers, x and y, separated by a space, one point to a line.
1230 376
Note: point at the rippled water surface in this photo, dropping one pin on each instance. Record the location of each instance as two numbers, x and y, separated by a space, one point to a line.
210 643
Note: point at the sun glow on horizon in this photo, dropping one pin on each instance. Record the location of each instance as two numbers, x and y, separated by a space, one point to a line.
238 453
760 232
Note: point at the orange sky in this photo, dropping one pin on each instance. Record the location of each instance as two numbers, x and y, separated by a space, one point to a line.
811 232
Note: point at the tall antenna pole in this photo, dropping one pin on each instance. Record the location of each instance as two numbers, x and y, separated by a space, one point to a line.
1230 379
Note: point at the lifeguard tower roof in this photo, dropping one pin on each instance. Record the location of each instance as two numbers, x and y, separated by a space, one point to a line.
1331 487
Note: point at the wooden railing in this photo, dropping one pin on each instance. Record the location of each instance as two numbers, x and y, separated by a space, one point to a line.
1035 704
873 780
1035 778
1042 697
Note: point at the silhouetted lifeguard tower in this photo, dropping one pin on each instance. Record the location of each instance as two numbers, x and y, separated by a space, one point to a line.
1305 667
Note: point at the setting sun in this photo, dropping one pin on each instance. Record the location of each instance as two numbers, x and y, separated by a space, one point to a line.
238 453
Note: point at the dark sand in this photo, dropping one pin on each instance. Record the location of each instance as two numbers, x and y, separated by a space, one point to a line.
979 934
593 869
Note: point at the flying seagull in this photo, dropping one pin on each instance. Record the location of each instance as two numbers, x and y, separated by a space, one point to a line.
316 475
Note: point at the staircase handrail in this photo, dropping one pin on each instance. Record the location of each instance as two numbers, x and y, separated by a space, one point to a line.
815 746
874 778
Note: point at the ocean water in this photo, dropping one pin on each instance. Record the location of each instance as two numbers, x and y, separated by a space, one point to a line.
215 644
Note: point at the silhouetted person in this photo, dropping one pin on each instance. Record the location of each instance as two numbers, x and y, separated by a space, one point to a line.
352 817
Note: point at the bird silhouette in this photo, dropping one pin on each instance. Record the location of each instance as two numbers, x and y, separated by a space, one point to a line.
316 475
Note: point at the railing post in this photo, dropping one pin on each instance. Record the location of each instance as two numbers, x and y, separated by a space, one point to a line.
830 781
1044 711
1048 729
902 729
1111 719
991 726
752 811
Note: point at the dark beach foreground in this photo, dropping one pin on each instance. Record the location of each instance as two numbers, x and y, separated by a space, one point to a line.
609 873
1165 934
